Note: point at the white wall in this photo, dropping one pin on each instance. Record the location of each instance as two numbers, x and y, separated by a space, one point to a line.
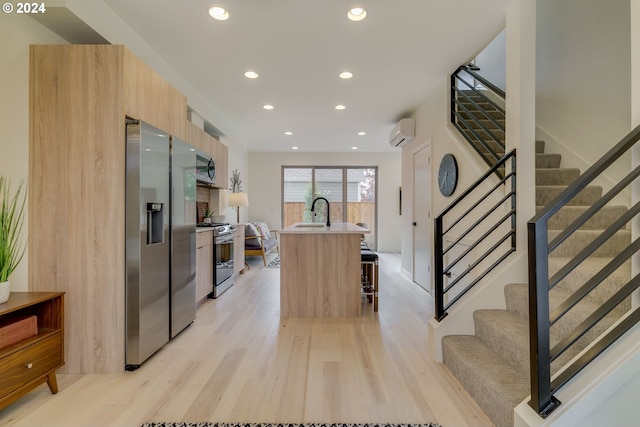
238 160
265 190
492 61
17 32
583 92
432 124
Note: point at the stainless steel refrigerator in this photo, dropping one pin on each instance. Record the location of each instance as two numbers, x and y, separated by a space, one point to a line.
183 235
147 242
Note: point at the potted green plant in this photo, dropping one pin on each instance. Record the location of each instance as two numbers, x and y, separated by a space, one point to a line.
208 214
11 220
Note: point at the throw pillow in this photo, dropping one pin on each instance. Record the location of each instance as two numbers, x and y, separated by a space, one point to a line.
250 231
263 229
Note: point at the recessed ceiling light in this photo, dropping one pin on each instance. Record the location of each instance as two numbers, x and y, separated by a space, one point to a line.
251 75
346 75
362 133
357 14
219 13
267 107
354 148
294 148
288 133
340 107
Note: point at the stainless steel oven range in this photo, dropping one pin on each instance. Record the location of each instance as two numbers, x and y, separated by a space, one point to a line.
222 257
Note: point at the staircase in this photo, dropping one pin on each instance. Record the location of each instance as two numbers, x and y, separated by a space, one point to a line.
483 124
493 365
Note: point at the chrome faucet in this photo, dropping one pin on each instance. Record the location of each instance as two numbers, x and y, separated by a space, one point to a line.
314 204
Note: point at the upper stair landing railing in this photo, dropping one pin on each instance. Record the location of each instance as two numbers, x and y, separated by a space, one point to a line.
477 111
474 234
546 345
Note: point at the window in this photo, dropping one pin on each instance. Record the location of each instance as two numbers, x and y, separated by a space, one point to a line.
351 191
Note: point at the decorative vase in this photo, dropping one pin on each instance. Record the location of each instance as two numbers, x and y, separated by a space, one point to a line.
5 290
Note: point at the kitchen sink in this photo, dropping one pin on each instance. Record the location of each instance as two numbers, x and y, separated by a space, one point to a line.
311 224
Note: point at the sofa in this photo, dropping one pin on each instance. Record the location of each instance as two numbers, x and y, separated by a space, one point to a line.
259 240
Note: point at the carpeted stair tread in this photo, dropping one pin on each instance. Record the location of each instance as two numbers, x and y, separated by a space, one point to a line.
517 297
587 269
494 384
599 221
581 238
556 176
487 124
506 332
540 145
495 114
588 196
548 160
495 131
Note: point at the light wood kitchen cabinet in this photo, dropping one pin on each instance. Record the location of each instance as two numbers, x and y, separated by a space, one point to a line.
79 98
222 168
211 146
149 97
204 264
200 139
238 250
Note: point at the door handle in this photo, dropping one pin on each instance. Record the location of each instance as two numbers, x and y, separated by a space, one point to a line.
414 223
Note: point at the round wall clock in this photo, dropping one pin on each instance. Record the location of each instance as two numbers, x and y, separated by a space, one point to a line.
448 175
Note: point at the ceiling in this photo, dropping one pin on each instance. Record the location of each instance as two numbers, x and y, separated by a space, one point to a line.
397 54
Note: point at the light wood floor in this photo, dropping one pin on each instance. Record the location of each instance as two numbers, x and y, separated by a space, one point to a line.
239 362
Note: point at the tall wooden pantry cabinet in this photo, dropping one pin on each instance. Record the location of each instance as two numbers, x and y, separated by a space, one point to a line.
79 98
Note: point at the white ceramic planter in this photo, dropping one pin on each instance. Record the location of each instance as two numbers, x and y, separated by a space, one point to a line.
5 290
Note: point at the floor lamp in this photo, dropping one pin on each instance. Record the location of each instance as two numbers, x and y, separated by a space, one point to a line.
237 200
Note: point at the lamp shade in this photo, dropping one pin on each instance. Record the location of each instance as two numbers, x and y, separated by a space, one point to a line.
238 199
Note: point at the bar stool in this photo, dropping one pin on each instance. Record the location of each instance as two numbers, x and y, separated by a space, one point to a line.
369 265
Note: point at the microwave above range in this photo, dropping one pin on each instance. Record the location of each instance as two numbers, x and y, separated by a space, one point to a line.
205 169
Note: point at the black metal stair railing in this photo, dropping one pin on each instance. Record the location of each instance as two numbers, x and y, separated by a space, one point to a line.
545 345
477 111
471 243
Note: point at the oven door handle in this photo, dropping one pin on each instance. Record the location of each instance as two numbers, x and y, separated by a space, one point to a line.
222 240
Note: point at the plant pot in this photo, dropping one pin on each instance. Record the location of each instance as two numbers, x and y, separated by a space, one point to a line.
207 220
5 290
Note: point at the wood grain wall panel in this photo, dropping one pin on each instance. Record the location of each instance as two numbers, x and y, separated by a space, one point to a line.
76 196
151 98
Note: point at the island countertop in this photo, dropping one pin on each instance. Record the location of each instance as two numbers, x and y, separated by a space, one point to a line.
320 228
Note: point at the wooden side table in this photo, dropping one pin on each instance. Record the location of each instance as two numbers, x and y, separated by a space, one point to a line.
34 360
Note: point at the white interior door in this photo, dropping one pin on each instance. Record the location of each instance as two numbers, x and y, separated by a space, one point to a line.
422 227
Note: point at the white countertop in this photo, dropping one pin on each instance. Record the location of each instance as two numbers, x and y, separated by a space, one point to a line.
319 228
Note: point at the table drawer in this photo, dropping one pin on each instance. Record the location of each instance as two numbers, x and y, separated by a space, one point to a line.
29 363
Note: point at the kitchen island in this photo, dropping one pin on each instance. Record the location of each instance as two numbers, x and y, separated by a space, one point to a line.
320 270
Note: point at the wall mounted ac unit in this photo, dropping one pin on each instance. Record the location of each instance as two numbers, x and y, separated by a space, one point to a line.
403 132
